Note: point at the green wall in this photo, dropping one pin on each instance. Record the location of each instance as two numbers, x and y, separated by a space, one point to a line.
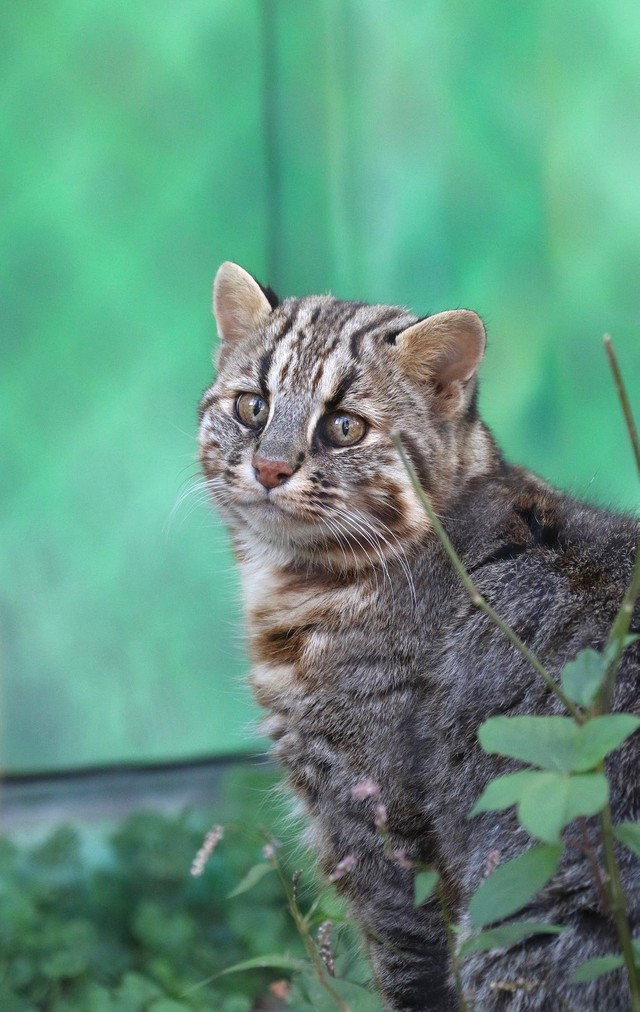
434 154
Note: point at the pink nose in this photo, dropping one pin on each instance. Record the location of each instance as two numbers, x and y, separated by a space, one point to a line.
271 473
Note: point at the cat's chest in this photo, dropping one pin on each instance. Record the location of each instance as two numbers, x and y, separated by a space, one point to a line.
294 622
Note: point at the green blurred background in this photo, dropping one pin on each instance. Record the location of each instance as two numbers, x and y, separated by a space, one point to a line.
433 154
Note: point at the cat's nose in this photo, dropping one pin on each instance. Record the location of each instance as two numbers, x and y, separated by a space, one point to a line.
271 473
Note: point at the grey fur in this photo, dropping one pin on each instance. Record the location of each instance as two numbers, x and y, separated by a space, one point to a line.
375 665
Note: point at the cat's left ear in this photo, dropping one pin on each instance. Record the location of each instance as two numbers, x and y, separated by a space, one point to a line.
240 304
445 351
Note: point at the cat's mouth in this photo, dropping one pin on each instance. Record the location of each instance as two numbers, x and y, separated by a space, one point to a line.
268 506
276 522
274 516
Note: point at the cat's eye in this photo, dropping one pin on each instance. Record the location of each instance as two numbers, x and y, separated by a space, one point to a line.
343 429
252 410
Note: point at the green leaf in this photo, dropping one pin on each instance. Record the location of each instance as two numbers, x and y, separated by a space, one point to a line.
628 833
252 877
168 1005
600 736
548 742
65 964
594 968
582 678
547 802
425 883
358 998
554 743
513 884
503 792
278 960
137 991
554 800
506 935
309 993
298 998
327 906
611 650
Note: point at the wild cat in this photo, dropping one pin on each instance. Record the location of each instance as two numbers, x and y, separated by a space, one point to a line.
367 652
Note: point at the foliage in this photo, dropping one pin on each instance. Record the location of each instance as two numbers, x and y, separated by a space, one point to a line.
138 932
568 782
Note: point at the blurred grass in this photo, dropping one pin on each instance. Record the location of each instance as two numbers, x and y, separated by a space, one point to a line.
124 927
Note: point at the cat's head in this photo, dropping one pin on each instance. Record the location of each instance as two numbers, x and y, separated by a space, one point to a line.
295 432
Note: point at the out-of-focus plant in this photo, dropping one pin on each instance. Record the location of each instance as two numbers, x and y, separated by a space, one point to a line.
334 975
137 931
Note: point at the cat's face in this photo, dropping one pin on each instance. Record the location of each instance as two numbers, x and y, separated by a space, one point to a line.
295 432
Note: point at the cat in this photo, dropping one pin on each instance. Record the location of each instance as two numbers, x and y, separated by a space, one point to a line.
374 665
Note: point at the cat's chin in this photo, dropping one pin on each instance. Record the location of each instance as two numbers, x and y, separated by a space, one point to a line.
277 535
279 524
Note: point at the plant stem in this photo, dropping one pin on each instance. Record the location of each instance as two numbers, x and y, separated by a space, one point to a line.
451 943
622 622
617 636
617 902
622 395
476 597
589 852
303 929
619 631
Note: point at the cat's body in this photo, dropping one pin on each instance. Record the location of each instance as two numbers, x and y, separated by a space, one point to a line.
367 651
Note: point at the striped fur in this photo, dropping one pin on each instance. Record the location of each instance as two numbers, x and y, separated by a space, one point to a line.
366 652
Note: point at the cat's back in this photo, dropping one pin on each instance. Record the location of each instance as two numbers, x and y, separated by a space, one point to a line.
556 569
543 556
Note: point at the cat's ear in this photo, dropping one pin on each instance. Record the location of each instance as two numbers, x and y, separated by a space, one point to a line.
240 304
444 351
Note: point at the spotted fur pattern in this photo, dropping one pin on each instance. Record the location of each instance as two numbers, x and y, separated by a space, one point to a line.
367 653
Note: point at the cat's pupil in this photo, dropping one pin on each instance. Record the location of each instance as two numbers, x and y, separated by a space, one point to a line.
252 410
342 429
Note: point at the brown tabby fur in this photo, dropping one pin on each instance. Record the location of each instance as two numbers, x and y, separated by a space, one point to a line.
366 650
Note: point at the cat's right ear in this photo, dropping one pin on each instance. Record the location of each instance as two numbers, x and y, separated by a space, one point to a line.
240 304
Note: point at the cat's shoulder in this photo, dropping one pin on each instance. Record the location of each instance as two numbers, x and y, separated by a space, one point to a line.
515 513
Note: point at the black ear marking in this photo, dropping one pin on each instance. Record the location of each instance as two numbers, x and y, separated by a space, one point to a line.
391 336
269 294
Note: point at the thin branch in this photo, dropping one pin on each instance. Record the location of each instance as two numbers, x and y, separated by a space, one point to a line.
309 941
624 399
619 631
452 945
618 903
617 636
588 850
622 623
476 597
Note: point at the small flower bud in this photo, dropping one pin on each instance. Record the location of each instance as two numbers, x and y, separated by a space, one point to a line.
343 867
380 815
365 789
211 841
324 941
492 862
400 857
